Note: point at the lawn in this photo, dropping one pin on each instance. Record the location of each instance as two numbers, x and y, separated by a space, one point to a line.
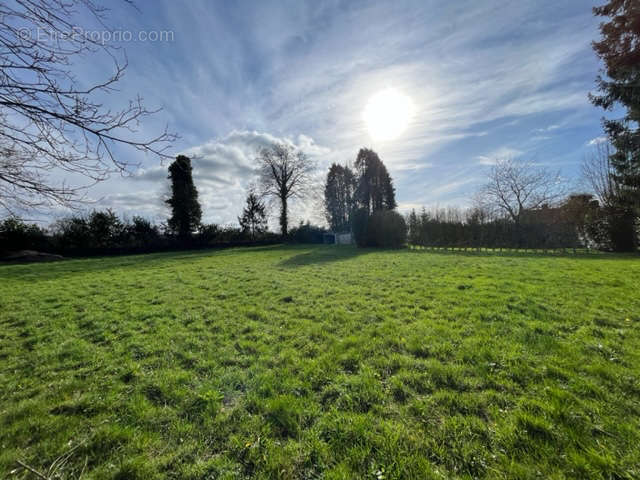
321 362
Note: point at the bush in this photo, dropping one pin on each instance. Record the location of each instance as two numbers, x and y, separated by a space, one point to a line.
103 233
72 233
106 229
622 230
17 235
387 229
100 230
359 223
384 228
141 233
306 233
209 233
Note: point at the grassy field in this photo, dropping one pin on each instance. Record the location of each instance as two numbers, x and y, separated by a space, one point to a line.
325 362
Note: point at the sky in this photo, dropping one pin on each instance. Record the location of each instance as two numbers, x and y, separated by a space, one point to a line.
486 80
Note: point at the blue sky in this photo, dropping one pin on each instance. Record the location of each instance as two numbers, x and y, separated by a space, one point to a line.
487 79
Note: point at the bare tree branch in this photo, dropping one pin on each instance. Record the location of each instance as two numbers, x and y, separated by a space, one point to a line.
514 187
599 175
284 173
49 121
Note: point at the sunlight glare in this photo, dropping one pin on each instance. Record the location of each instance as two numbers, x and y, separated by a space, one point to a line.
387 114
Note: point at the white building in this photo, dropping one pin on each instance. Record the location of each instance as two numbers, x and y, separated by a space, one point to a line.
334 238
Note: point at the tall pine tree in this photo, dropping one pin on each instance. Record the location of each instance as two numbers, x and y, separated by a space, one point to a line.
185 208
254 216
619 49
413 224
339 197
375 189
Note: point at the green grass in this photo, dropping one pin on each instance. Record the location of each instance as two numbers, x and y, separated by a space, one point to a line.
325 362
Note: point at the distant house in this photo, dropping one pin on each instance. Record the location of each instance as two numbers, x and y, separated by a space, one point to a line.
337 238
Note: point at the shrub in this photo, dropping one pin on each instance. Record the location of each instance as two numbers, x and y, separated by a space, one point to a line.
384 228
105 228
72 233
307 233
390 229
141 233
209 233
231 234
622 230
102 232
359 222
17 235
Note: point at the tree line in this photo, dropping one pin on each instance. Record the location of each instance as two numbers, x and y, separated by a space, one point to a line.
364 199
51 122
521 204
284 174
102 232
557 227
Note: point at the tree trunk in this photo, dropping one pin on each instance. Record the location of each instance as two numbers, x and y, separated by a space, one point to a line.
283 217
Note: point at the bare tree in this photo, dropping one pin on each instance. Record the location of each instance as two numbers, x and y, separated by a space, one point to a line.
599 175
284 173
51 122
514 187
616 226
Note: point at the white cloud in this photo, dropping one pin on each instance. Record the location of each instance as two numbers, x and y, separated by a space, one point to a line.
451 187
550 128
498 154
145 203
597 141
470 70
223 168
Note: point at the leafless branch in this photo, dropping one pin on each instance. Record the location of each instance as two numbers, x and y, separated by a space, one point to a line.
598 173
49 120
284 173
516 186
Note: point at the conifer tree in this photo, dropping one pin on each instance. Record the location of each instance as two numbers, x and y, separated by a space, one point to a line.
185 208
254 216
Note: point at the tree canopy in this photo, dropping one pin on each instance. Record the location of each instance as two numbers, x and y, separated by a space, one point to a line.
339 197
375 190
284 173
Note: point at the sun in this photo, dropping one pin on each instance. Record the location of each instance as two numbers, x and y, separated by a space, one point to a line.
387 114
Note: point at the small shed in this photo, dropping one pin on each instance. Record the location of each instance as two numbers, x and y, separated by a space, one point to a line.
337 238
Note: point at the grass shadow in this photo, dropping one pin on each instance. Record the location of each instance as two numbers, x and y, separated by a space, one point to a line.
323 254
70 267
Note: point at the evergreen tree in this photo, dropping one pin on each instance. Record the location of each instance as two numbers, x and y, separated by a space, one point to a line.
619 49
375 189
339 197
254 216
185 208
413 225
423 225
105 228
